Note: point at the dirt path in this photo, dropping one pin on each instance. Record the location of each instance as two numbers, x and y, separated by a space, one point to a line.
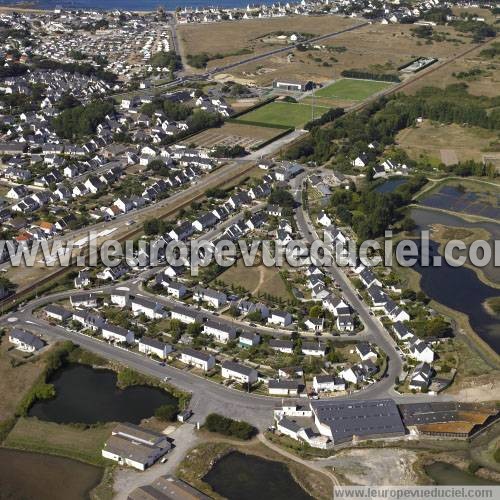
260 283
291 456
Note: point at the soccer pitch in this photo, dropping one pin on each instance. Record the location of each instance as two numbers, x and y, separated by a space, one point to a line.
351 89
284 113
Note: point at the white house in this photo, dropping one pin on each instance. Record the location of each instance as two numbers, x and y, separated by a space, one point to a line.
365 351
212 297
345 323
284 346
120 298
148 345
58 313
25 341
249 339
288 428
324 219
420 351
152 310
355 374
221 332
315 324
328 383
280 318
135 446
284 387
117 334
177 290
201 360
313 349
84 300
183 315
241 373
421 377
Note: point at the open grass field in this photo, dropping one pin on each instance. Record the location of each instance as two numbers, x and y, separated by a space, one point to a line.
446 143
369 48
56 439
250 35
230 134
284 113
352 89
256 280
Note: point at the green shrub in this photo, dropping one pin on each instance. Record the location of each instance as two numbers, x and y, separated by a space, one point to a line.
167 413
229 427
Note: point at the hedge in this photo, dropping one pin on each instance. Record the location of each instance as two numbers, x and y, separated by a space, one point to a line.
258 124
365 75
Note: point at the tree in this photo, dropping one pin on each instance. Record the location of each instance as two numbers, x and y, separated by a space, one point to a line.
167 413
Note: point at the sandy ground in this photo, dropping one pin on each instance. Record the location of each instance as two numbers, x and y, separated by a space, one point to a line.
489 390
368 467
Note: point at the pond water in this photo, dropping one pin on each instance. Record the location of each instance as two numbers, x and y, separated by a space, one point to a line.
464 201
87 395
26 475
459 288
390 185
445 474
237 476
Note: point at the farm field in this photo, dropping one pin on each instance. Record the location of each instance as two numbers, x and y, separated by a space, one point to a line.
284 113
446 143
352 89
230 134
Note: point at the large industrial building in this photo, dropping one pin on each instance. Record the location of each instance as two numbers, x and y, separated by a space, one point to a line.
447 419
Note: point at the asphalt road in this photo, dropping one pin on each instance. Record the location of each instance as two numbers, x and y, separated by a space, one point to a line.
373 326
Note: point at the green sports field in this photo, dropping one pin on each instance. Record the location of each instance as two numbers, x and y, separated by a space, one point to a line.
351 89
284 113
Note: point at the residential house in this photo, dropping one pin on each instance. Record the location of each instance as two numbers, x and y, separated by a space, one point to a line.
328 383
84 300
315 324
421 377
201 360
117 334
284 346
150 346
280 318
221 332
151 309
249 339
25 341
284 387
211 297
58 313
313 349
241 373
365 351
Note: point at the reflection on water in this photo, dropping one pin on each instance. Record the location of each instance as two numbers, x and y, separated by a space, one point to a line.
85 395
237 476
445 474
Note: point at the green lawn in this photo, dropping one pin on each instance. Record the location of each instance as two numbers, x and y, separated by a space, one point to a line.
284 113
351 89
